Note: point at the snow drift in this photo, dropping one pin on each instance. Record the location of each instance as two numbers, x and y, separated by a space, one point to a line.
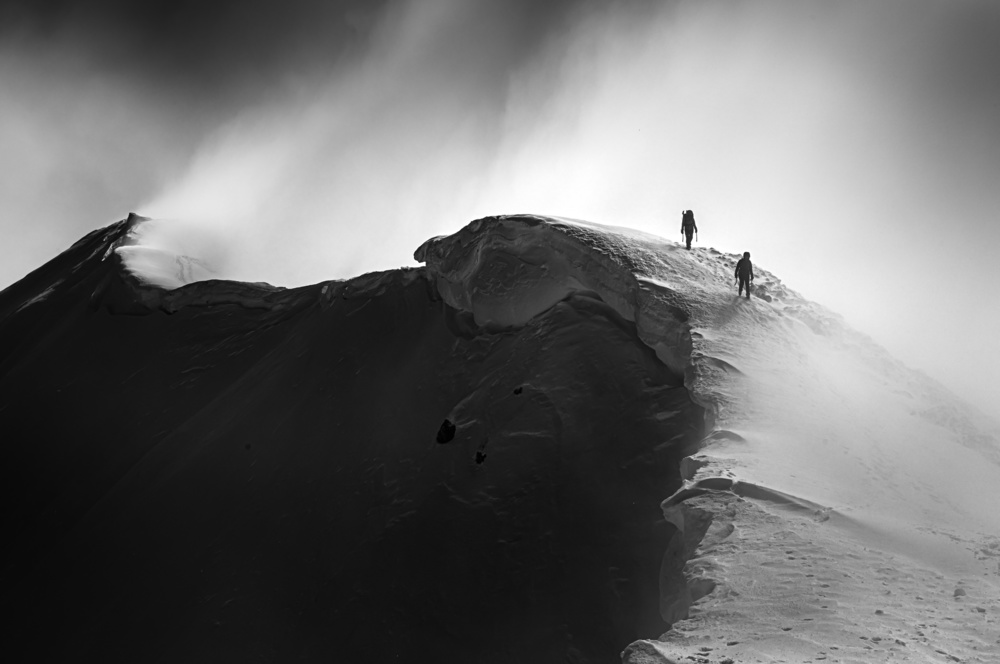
553 441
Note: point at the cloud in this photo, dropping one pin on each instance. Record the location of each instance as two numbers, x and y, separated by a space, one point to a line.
355 166
850 146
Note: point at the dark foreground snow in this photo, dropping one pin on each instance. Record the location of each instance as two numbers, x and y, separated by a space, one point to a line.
556 442
351 471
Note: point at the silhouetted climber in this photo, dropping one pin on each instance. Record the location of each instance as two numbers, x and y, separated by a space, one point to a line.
744 273
688 227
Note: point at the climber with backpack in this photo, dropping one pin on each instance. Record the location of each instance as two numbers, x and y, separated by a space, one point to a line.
688 227
744 273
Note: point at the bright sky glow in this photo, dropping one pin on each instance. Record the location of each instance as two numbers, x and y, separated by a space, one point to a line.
852 147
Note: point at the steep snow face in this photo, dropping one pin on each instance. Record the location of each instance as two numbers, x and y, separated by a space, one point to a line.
808 419
824 414
475 461
505 270
32 309
315 473
800 403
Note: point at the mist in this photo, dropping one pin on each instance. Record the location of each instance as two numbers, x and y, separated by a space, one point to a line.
851 147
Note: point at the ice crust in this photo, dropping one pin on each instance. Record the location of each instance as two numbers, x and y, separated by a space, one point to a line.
506 270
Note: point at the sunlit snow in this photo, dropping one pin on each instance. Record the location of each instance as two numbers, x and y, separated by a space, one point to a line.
555 440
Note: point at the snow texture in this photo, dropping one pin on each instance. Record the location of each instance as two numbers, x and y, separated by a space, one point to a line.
806 417
557 441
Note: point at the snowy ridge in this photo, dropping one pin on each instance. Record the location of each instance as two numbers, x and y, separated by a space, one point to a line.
162 279
114 267
818 501
507 269
810 421
732 352
73 268
363 438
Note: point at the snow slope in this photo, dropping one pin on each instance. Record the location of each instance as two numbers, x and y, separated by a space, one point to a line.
347 471
557 441
809 421
819 410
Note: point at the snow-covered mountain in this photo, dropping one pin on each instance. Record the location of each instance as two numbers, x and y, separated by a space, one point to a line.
555 442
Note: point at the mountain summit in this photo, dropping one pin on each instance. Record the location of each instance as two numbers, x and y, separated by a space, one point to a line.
555 442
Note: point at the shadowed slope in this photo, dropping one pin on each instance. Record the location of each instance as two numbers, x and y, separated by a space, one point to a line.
352 470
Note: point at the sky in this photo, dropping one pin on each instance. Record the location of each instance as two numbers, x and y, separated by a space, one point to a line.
852 147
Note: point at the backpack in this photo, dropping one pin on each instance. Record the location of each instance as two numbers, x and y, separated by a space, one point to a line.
687 219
